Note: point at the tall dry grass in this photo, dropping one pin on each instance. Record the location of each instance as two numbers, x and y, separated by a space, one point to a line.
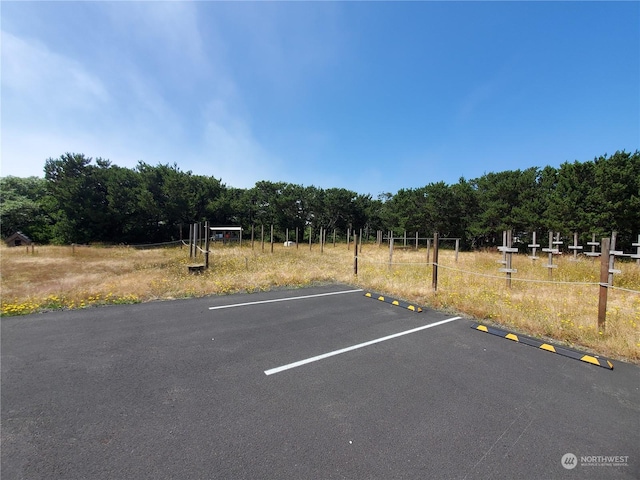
57 277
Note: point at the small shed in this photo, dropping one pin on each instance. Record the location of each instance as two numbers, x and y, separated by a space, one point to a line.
18 239
227 234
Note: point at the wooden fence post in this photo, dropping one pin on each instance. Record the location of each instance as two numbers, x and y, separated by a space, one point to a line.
593 244
297 237
252 237
390 248
550 251
271 238
355 254
434 282
507 255
191 241
262 237
503 262
575 247
195 240
206 245
534 246
612 256
190 251
604 283
309 237
637 255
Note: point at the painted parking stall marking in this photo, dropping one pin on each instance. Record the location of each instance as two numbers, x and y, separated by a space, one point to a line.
286 299
355 347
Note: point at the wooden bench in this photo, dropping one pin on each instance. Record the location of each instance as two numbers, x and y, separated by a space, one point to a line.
196 269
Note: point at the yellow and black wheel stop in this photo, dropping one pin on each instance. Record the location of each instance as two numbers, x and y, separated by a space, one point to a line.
565 352
397 303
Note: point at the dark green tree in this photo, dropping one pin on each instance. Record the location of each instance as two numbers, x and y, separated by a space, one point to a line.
22 208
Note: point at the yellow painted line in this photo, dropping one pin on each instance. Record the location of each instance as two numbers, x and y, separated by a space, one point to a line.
381 298
546 346
367 295
610 364
412 308
511 336
395 302
482 328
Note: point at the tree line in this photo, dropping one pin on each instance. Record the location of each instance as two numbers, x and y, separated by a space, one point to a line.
82 200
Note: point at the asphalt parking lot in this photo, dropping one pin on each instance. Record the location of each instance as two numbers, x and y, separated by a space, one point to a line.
315 383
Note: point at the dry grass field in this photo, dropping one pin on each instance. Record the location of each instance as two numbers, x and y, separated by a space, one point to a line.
566 310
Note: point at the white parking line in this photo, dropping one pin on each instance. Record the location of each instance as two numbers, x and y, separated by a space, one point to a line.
355 347
287 299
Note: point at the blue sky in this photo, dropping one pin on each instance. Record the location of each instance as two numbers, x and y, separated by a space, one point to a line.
369 96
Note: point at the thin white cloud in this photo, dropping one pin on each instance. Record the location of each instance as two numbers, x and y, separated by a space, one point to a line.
111 107
288 45
160 86
44 94
38 77
231 151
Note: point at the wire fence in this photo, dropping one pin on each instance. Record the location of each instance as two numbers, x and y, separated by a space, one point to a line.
365 260
155 245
